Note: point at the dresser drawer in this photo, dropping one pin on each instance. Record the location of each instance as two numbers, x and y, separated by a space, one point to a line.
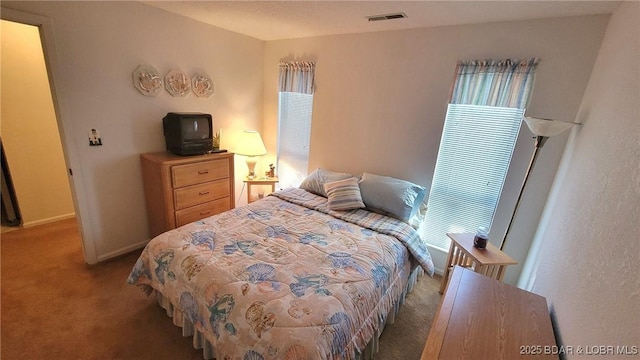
191 174
202 211
197 194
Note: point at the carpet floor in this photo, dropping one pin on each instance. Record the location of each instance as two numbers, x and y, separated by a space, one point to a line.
55 306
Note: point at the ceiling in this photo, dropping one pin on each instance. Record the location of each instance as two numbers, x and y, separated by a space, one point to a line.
276 20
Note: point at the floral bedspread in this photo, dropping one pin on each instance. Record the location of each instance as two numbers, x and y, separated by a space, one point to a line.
284 277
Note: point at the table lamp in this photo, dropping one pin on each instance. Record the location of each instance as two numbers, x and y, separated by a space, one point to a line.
251 145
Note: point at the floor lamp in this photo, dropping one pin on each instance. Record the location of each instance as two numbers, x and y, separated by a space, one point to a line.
542 129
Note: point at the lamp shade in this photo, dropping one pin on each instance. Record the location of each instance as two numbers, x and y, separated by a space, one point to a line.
250 144
547 127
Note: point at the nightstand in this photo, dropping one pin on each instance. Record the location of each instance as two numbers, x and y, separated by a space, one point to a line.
259 181
489 261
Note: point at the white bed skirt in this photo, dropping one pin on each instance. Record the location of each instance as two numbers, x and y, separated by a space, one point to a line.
208 351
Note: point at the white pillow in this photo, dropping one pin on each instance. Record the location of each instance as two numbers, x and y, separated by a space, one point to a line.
395 197
344 194
314 183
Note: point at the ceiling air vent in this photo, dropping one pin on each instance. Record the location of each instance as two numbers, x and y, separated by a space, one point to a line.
387 17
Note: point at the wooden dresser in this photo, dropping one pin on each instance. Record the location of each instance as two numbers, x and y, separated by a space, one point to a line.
182 189
483 318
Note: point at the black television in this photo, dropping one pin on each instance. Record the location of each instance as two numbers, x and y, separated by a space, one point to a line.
188 133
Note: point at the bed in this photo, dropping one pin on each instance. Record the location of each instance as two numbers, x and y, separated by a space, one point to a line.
285 277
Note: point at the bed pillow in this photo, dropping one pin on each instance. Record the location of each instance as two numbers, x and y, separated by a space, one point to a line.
314 183
344 194
420 215
395 197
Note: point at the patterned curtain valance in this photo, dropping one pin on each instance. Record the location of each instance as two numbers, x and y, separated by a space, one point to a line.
297 77
503 83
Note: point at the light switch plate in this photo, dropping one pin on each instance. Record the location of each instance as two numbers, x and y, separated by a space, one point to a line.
94 138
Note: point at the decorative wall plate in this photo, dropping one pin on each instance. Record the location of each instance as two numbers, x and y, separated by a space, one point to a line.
201 85
177 83
147 80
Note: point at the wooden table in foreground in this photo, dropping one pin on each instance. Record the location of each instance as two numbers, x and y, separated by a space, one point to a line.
482 318
489 261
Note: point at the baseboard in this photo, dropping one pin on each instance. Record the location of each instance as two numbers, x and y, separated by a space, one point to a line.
48 220
122 251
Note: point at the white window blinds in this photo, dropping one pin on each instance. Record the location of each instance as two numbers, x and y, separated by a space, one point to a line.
473 159
294 133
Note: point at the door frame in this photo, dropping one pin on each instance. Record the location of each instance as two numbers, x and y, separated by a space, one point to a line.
76 183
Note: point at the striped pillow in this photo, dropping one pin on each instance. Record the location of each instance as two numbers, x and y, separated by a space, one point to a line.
344 194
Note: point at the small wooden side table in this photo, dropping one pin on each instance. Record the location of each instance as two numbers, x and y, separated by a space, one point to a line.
489 261
259 181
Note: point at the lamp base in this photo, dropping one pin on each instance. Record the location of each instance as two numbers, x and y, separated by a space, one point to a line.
251 165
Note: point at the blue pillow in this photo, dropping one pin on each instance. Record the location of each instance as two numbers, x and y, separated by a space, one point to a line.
398 198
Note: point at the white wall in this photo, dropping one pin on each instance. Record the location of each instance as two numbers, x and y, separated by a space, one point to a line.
585 253
98 46
381 100
29 129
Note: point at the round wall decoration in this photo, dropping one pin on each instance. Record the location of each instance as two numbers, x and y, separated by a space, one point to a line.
177 83
201 85
147 80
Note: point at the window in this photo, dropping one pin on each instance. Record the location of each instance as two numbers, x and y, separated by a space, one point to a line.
294 133
475 151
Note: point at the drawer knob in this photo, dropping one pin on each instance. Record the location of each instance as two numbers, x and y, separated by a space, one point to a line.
203 172
203 193
205 212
